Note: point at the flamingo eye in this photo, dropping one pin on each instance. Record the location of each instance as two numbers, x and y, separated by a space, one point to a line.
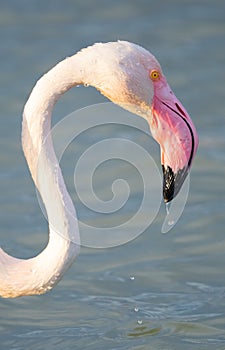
154 74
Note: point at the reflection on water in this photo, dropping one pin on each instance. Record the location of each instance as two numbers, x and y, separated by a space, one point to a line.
158 291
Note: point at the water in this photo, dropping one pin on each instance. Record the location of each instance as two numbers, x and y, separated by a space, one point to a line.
158 291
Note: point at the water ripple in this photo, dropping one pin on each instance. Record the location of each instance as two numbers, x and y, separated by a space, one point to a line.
188 318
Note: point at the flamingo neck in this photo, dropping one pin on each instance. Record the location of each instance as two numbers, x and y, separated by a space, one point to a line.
38 146
37 275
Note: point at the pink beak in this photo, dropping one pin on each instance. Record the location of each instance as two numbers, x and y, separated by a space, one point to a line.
174 130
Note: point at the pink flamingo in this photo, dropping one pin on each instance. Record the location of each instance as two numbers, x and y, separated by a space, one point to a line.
129 76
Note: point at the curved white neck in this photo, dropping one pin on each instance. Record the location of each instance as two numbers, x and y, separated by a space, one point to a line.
35 276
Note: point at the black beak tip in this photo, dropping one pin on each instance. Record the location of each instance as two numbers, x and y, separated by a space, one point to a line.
172 182
167 198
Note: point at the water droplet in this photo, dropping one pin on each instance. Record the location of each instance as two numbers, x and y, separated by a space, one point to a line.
136 309
132 278
139 322
171 222
167 208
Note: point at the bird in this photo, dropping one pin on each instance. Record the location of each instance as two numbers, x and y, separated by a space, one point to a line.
131 77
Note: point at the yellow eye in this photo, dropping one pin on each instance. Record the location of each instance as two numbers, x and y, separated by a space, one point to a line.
154 74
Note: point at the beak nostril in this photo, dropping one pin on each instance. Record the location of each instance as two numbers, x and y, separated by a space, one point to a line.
180 110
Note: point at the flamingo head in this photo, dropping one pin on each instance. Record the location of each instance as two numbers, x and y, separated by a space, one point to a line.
131 77
174 130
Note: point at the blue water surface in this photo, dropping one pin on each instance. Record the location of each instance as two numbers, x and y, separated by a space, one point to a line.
157 291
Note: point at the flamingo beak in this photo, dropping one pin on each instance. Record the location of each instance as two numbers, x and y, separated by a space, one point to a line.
178 155
174 130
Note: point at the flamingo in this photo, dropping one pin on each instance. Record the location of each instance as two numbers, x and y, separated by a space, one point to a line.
129 76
